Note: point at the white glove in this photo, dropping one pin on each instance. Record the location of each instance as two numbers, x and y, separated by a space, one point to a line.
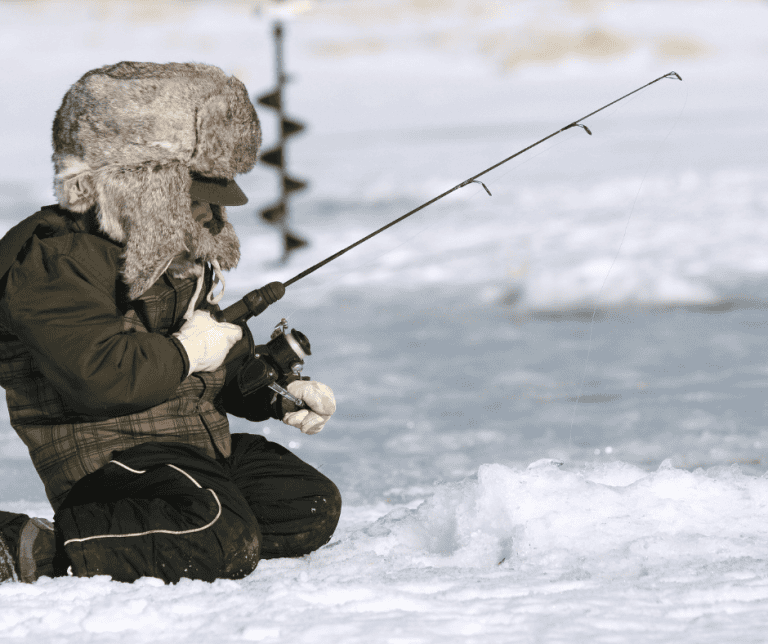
206 341
319 398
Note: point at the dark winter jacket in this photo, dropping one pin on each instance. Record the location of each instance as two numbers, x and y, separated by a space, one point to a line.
87 371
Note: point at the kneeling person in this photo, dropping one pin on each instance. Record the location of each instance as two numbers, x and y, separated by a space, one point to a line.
112 358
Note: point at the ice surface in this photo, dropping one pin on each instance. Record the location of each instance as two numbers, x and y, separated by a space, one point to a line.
603 309
602 553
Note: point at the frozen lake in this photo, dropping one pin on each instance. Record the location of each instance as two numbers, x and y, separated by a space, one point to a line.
606 308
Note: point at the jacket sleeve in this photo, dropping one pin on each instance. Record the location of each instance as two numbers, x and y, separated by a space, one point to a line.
60 301
256 407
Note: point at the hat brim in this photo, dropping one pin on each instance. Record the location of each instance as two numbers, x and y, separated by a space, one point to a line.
222 192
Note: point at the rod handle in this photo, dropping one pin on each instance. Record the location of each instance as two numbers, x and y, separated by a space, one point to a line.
253 304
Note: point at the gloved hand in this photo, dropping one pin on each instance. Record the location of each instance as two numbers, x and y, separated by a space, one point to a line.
319 398
206 341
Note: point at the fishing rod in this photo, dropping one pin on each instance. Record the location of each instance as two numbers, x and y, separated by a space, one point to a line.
257 301
291 348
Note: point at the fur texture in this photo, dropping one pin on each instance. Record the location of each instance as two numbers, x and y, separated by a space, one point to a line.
125 140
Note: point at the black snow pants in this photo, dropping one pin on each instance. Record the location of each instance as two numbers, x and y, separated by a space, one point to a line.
167 510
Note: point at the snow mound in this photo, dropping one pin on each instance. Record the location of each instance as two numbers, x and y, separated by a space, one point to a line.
607 519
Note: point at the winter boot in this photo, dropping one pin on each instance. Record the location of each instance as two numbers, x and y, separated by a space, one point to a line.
7 569
37 548
27 548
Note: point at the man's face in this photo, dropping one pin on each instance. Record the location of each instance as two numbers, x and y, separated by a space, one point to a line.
202 212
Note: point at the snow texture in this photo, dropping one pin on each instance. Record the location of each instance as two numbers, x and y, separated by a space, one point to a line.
550 425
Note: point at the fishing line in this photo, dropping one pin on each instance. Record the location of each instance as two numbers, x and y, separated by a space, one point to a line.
618 251
478 191
613 108
558 142
551 145
255 302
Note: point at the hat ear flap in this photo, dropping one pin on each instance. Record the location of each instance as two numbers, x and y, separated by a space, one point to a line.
146 208
74 185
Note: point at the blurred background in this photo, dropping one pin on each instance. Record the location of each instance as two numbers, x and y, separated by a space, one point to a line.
607 302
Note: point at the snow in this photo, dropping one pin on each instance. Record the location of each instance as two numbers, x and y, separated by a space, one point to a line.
551 424
603 554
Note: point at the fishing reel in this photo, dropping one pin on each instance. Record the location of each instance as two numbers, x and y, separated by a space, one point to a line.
274 365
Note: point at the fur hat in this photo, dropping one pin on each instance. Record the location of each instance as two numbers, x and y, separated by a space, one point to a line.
125 140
